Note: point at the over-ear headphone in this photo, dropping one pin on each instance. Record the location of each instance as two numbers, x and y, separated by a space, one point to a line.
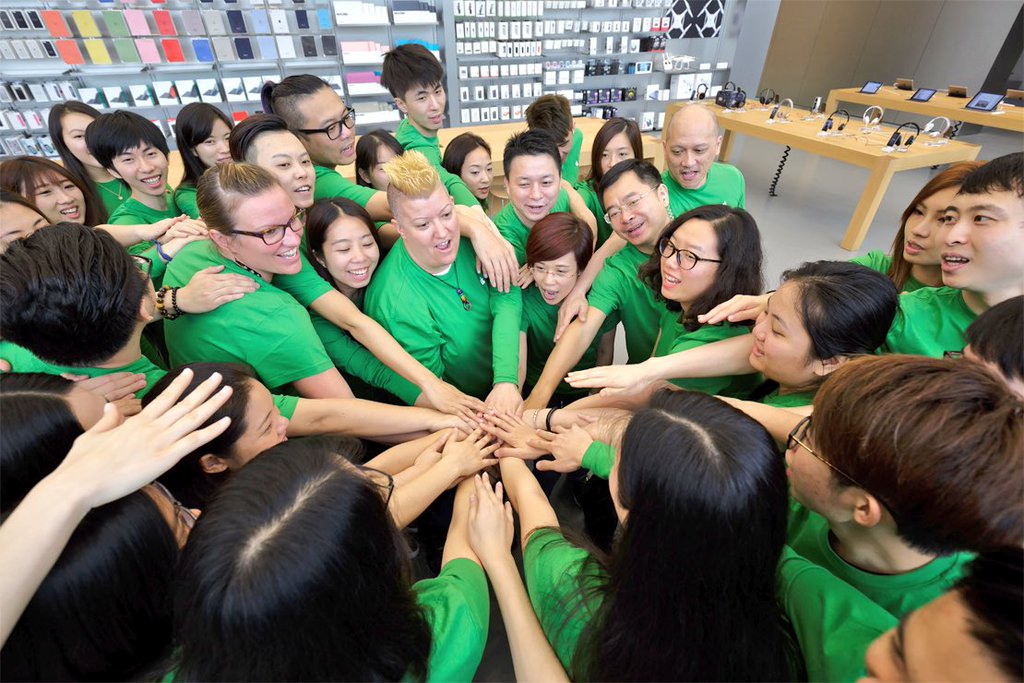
727 84
930 127
873 119
895 140
764 98
828 122
779 112
697 94
731 98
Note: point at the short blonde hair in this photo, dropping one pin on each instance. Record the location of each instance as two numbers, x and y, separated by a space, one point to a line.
411 175
222 188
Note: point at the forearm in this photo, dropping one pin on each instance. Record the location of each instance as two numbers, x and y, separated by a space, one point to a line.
378 207
527 498
412 497
403 456
566 354
579 208
357 417
612 246
457 544
374 337
126 235
778 421
726 357
505 335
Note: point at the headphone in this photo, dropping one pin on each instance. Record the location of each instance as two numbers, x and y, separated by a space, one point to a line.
873 120
778 113
731 98
697 94
895 140
727 84
930 127
828 122
764 98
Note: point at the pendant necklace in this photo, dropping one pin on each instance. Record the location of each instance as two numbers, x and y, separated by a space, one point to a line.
458 289
119 194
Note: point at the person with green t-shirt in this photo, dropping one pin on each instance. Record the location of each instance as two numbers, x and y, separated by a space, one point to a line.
534 189
429 296
552 114
468 156
692 139
871 506
617 140
201 131
637 203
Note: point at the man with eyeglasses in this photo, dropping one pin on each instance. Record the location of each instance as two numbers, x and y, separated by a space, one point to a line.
692 140
636 206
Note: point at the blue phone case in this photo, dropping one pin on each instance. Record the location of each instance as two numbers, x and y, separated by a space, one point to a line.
268 48
323 17
260 21
204 53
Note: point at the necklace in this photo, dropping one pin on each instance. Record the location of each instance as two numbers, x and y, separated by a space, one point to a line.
458 289
120 189
247 268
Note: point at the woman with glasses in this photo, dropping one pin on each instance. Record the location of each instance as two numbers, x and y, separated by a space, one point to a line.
907 465
319 584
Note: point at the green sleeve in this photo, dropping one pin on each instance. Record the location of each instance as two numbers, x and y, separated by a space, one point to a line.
334 185
589 195
121 217
286 405
599 459
457 606
571 165
834 623
507 309
457 188
353 358
185 200
306 286
875 260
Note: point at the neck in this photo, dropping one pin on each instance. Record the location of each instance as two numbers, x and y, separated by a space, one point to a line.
349 292
266 277
158 203
929 276
98 174
129 353
877 550
979 302
422 131
432 270
523 219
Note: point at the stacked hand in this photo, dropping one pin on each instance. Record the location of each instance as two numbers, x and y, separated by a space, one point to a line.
491 528
444 397
469 454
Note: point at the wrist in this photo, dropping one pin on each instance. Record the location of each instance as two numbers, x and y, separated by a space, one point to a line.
164 256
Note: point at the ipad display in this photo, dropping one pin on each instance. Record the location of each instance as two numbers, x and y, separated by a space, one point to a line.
984 101
922 95
871 87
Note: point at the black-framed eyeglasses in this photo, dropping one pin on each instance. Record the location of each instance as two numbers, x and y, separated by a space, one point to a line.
184 515
144 263
275 234
333 130
380 478
630 204
952 355
685 258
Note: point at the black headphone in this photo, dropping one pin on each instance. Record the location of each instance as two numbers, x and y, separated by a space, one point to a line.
697 94
727 84
895 140
731 97
764 98
828 122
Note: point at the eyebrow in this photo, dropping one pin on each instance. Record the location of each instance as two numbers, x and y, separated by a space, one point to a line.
987 207
265 425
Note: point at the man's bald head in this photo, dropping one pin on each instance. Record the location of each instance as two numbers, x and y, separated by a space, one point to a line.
691 139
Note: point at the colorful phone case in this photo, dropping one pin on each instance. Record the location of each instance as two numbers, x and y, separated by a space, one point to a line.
117 27
137 23
214 22
86 25
260 21
244 48
267 46
148 51
193 22
98 53
172 50
302 19
164 23
323 17
203 49
222 48
236 21
126 51
69 52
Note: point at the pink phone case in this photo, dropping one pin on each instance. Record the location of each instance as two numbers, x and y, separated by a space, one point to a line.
147 51
137 24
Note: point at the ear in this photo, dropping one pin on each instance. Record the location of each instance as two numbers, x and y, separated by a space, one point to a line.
320 259
718 145
219 239
663 195
867 511
362 174
504 181
826 367
400 103
212 464
398 227
146 313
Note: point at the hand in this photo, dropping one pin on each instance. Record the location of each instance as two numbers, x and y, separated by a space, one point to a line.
567 445
128 406
431 455
505 398
112 387
740 307
491 527
172 247
118 456
185 227
513 431
444 397
620 377
4 366
468 455
494 255
573 306
148 232
525 277
209 289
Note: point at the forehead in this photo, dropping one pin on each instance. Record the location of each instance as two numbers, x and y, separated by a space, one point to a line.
785 300
533 164
278 142
1009 202
418 88
412 208
347 227
272 207
628 183
323 106
74 121
690 129
479 155
567 260
141 148
695 232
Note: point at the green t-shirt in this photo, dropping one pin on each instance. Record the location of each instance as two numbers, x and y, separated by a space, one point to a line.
724 185
571 165
675 338
589 194
185 201
329 183
134 212
796 399
22 360
431 149
512 228
457 606
306 285
113 194
555 570
267 330
899 594
472 349
834 623
618 292
879 261
930 322
539 321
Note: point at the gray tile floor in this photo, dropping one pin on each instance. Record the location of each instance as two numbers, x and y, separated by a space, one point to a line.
805 222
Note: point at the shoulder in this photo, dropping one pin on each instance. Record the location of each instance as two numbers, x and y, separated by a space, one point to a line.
875 260
456 604
727 172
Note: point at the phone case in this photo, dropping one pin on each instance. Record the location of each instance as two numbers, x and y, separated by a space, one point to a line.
34 19
301 19
330 45
279 20
48 48
267 46
98 53
172 50
193 22
87 27
244 48
117 27
147 50
308 46
6 51
164 23
222 48
236 21
126 51
285 47
203 49
260 21
214 22
20 20
323 17
7 22
69 52
137 23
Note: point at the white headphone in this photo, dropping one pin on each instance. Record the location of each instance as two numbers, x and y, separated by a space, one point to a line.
932 128
781 110
870 120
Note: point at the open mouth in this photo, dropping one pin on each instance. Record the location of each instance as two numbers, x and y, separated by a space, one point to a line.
443 246
912 248
289 254
71 212
668 281
550 294
634 233
153 181
953 262
437 119
359 274
303 189
689 175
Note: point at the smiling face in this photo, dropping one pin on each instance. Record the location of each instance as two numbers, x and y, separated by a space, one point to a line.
16 222
533 185
58 198
350 253
685 286
265 211
691 144
281 153
320 110
478 172
377 178
922 245
424 105
618 149
983 245
554 279
214 149
144 169
73 127
782 348
429 229
638 212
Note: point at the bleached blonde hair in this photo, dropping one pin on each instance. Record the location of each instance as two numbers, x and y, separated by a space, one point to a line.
410 175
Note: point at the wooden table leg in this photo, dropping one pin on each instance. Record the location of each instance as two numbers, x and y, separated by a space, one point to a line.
878 183
831 103
726 149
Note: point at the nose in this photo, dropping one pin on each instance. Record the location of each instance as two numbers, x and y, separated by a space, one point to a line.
548 277
63 196
955 230
222 148
760 327
146 165
435 102
292 238
689 158
535 191
282 426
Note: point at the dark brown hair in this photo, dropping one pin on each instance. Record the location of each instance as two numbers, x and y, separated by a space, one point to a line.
24 174
610 129
558 234
552 114
938 440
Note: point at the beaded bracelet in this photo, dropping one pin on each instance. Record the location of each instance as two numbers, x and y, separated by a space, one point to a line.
161 303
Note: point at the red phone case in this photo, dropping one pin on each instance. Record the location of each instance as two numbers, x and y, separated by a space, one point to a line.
164 24
172 50
55 24
69 52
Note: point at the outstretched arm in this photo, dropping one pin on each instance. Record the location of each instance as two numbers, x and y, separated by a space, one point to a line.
527 497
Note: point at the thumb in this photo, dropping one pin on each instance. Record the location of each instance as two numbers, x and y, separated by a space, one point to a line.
546 465
110 419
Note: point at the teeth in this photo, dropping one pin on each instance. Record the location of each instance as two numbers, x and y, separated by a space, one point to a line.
289 254
68 212
444 245
955 259
151 181
360 273
303 188
671 280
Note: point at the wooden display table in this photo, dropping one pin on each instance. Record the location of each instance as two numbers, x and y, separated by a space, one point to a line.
851 147
941 104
